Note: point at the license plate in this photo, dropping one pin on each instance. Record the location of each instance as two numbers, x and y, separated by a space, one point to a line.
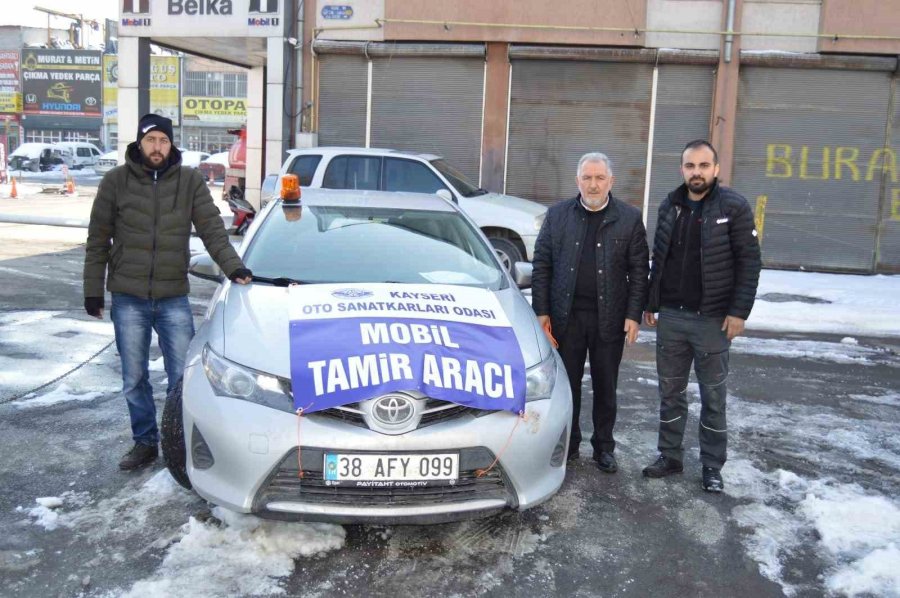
392 469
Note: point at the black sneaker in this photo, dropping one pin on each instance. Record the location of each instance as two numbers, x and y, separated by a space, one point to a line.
662 467
573 455
606 463
712 479
139 456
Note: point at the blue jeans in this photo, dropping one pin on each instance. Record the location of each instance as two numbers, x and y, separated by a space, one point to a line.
133 319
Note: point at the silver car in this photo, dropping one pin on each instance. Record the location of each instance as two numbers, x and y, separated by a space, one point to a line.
406 456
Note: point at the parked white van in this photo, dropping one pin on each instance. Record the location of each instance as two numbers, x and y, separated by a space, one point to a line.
82 153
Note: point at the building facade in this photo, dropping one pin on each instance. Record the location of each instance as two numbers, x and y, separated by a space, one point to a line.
799 96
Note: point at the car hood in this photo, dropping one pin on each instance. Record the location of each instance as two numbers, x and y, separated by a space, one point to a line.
255 330
511 201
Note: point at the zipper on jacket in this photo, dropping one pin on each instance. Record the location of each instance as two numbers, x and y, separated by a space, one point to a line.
155 218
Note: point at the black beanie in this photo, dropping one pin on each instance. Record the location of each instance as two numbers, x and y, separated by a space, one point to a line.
155 122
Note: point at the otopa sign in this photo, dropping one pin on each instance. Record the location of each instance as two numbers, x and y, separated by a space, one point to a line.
214 109
194 18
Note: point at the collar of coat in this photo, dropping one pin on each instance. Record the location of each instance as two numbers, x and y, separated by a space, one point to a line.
611 209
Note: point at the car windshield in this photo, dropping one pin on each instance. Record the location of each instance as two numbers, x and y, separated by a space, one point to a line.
465 187
331 244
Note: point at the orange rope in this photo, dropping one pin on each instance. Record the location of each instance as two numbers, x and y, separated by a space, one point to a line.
299 446
480 473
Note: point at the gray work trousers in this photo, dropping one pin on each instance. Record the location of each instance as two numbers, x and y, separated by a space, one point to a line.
685 337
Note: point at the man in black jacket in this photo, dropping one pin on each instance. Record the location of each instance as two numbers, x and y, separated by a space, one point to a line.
589 285
706 264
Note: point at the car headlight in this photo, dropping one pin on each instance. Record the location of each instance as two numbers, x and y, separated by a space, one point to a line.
229 379
539 221
540 379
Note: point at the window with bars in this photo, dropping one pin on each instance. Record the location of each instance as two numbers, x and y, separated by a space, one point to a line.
54 136
205 83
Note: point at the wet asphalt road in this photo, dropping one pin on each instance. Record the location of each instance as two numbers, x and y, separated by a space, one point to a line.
602 535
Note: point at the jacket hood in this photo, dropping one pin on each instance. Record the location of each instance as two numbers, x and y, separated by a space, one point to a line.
133 160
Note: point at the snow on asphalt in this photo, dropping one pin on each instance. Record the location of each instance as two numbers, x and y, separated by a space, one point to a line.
854 529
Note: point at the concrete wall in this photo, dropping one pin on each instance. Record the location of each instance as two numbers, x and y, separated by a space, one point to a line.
684 15
361 25
861 17
780 16
13 37
531 21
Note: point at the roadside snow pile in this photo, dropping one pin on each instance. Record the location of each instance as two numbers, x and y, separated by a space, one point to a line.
61 394
801 349
244 555
855 304
47 512
855 531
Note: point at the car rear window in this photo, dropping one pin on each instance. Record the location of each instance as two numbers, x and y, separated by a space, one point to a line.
353 172
305 167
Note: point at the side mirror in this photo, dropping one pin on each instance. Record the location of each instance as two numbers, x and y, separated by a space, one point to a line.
522 274
445 194
203 266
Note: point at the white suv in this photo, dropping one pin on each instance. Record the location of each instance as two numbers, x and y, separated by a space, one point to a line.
510 223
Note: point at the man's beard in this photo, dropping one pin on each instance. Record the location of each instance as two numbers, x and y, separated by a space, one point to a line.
700 186
149 163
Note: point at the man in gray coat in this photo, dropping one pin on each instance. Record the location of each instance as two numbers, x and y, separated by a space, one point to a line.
138 244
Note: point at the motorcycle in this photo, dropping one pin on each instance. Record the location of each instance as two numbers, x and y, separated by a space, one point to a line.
242 209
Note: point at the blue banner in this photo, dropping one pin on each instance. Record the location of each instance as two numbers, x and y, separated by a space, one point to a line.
363 342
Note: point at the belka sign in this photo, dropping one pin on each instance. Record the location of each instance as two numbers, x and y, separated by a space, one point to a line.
195 18
200 7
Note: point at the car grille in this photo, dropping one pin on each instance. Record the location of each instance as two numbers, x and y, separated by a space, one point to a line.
435 412
284 485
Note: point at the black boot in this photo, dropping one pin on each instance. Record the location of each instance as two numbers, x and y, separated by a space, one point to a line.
662 467
606 463
712 479
139 456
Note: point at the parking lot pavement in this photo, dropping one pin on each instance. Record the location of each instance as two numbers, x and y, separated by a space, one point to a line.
809 507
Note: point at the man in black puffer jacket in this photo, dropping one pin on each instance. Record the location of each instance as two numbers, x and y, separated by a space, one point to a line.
706 263
589 285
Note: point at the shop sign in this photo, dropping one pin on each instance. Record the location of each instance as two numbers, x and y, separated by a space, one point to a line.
10 89
62 82
214 109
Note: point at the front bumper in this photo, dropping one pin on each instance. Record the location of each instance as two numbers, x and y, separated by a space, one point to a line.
256 465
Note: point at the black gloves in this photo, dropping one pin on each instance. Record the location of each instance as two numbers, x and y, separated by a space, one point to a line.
93 306
241 273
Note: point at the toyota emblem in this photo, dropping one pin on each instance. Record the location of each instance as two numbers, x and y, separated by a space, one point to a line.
393 410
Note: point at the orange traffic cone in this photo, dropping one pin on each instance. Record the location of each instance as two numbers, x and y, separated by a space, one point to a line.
12 191
70 186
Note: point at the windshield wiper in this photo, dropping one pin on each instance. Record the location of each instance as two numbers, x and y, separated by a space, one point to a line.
478 192
280 281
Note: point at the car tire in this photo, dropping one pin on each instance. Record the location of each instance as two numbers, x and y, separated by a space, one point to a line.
507 251
172 438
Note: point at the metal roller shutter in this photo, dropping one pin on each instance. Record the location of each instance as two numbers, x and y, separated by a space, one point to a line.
805 140
889 233
343 82
683 106
430 105
560 110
